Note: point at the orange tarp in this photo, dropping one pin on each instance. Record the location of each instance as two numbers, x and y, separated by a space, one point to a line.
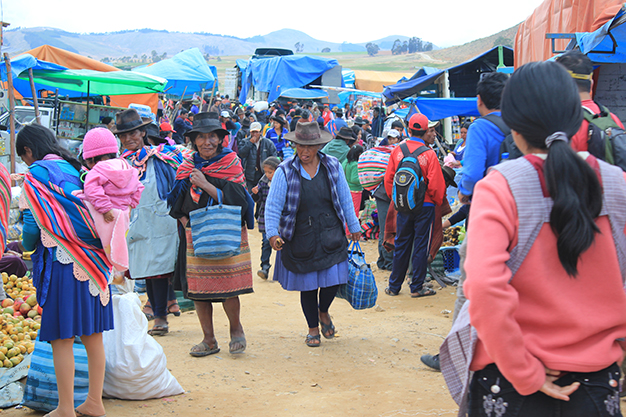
376 81
75 61
559 16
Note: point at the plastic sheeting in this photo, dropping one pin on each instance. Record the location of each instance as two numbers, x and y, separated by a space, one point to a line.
24 62
71 60
376 81
440 108
599 46
98 83
348 77
304 94
187 69
348 96
559 16
277 74
422 79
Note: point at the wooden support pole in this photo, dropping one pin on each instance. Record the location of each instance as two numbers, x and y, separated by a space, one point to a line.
34 92
7 62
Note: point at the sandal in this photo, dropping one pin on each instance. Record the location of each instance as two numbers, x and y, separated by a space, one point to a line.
313 341
173 308
159 330
237 340
424 292
326 328
79 414
147 310
203 349
389 292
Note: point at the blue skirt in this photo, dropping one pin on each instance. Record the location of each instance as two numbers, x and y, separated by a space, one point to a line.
70 309
291 281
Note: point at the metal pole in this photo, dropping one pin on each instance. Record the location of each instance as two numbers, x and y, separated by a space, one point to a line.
87 112
34 92
7 62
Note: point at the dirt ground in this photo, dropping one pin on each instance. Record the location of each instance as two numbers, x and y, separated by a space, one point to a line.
371 369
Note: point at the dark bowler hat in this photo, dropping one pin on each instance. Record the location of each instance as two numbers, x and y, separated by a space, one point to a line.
279 119
245 122
205 123
448 175
345 133
359 121
128 120
309 133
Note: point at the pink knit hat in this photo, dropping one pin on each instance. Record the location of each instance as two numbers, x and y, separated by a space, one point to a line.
99 141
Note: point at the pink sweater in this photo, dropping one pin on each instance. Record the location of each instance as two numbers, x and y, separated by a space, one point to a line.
113 184
543 318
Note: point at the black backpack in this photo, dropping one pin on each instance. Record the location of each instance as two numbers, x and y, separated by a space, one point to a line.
409 185
607 141
508 148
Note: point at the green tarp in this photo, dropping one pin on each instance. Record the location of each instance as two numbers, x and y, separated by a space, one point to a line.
98 83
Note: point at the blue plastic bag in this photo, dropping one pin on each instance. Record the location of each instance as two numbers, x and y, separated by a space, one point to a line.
361 290
41 385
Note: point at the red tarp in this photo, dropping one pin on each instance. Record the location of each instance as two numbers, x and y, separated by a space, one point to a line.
559 16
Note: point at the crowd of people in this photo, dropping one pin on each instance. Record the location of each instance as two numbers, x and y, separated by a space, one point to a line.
550 222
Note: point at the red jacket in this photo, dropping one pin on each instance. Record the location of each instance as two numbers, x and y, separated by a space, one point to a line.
431 171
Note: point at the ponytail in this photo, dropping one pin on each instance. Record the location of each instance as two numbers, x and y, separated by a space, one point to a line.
541 102
577 195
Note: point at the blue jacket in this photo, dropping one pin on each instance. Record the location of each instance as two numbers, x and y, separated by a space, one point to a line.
481 153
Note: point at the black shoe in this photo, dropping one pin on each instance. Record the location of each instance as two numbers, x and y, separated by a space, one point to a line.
432 361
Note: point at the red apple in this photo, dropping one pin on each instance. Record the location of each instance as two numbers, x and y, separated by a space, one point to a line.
39 309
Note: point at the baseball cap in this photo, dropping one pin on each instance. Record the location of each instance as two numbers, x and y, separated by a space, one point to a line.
225 114
255 127
393 133
166 127
420 122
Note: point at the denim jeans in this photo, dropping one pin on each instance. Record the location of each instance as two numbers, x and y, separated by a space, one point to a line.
596 396
266 252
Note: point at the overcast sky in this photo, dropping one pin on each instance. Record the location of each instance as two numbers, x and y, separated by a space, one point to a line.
444 22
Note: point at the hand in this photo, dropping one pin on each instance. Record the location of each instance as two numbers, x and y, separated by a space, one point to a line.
197 178
108 216
276 242
355 237
463 199
255 190
552 390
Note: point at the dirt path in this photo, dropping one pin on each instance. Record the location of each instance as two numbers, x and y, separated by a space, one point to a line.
371 369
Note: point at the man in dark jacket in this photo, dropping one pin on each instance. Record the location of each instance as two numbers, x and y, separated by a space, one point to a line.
181 125
253 150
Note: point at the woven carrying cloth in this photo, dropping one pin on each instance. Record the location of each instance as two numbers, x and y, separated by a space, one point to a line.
533 211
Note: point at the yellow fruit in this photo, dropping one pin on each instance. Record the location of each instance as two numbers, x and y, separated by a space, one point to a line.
33 335
30 349
21 336
9 344
14 331
22 348
16 361
12 352
15 338
7 363
4 350
2 357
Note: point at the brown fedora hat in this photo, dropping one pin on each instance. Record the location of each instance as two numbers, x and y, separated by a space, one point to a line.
128 120
207 122
309 133
345 133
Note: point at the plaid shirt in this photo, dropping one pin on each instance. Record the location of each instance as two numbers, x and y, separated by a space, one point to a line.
291 168
261 198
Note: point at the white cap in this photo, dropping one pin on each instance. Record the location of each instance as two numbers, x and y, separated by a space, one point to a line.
225 114
393 133
255 127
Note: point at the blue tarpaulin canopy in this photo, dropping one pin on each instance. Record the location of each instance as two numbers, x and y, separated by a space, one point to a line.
274 75
422 79
607 45
185 69
304 94
24 62
440 108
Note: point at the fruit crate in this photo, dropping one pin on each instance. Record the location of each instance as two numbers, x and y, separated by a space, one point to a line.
451 258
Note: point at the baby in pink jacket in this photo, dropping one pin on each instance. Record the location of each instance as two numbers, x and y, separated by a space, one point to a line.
111 189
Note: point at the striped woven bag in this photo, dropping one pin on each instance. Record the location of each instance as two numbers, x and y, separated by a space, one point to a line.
216 230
